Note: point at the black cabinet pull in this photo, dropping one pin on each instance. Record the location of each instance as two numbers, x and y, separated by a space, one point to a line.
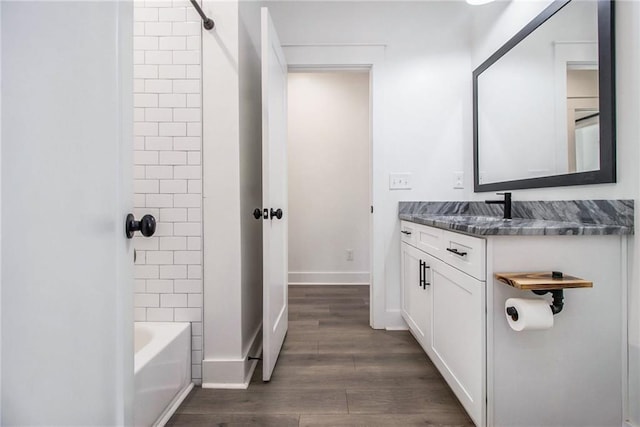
424 274
257 213
455 251
408 233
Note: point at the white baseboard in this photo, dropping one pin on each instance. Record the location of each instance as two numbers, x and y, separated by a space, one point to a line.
326 284
224 373
394 321
233 373
175 403
226 386
329 278
397 328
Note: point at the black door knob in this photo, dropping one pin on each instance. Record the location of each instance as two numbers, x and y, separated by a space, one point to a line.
277 213
146 225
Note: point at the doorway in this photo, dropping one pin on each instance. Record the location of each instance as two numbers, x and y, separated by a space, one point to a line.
329 149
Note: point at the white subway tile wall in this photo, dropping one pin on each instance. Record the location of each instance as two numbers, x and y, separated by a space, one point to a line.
168 172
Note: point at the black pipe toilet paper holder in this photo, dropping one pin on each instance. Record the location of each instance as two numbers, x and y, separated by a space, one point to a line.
556 304
542 283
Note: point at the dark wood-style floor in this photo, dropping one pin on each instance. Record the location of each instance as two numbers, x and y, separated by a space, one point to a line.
334 370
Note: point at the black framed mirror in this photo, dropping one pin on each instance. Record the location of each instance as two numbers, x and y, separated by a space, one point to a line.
544 103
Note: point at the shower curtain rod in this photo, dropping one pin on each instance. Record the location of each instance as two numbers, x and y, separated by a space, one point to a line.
207 23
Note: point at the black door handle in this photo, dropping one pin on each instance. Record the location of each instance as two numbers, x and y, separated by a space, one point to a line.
146 226
257 213
421 284
277 213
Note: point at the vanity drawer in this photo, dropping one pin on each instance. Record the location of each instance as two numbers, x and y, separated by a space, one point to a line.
428 239
465 253
408 232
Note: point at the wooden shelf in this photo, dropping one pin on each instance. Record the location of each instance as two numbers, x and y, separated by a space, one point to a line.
541 281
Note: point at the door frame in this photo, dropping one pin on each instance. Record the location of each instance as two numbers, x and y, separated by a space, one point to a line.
314 57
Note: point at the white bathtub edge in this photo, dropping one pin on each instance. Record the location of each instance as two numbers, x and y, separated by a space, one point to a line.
175 403
142 357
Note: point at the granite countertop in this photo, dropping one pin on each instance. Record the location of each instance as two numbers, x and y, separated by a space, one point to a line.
566 217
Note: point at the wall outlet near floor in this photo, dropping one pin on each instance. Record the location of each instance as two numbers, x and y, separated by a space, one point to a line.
349 253
399 181
458 180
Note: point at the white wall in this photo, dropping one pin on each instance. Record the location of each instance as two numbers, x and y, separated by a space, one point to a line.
328 177
221 189
231 190
425 116
168 172
493 26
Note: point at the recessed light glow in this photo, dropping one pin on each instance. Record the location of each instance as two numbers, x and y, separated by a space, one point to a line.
478 2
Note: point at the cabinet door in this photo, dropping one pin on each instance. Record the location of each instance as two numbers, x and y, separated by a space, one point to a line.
457 344
416 297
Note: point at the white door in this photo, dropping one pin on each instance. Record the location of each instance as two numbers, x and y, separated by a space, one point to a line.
67 267
274 196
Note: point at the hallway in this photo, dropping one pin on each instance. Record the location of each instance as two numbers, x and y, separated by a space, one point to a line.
334 370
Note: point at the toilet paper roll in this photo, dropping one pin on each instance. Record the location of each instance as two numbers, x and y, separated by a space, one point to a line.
533 314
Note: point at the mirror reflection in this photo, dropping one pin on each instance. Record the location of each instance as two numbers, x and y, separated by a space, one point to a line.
583 119
538 109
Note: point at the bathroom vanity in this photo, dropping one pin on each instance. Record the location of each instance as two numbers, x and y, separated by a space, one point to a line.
437 281
572 374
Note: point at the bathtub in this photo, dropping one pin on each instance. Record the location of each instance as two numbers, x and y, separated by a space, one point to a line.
162 370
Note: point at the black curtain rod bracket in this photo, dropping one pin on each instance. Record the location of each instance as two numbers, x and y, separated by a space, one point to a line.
207 23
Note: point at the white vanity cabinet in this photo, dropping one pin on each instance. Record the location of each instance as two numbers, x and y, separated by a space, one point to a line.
569 375
443 302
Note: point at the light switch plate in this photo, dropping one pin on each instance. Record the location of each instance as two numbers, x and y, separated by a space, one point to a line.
458 180
399 181
349 254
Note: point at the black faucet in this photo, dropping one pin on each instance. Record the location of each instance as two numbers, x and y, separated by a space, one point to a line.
506 202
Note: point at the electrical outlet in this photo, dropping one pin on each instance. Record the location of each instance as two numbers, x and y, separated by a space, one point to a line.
458 180
400 181
349 254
